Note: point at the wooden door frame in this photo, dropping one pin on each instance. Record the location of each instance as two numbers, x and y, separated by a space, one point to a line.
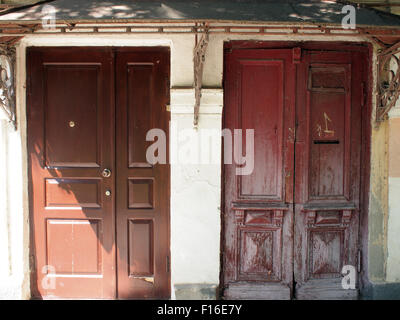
366 135
29 184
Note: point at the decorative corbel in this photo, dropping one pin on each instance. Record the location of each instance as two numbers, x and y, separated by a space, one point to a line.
239 217
7 83
310 218
388 80
278 218
346 217
198 62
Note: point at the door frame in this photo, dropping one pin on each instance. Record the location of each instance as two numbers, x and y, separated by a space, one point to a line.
366 135
24 92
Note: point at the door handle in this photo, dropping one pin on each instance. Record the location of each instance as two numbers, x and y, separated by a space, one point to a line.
106 173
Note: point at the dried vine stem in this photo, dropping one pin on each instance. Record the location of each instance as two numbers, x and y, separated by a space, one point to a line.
198 59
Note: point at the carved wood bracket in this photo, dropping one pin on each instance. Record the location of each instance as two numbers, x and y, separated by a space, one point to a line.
198 62
276 219
7 83
311 218
388 80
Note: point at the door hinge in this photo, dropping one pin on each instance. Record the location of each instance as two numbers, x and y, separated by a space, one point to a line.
296 55
363 94
28 85
359 260
167 87
32 263
293 132
168 264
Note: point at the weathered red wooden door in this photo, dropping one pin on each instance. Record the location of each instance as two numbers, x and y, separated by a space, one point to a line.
328 175
258 213
292 224
88 112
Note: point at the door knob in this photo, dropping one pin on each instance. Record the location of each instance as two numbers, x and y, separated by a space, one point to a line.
108 193
106 173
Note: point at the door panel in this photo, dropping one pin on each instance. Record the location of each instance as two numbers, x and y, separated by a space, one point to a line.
75 131
266 181
70 140
307 120
80 146
328 176
259 94
330 110
143 188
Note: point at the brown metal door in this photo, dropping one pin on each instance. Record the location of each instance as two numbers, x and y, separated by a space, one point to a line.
78 175
328 175
143 189
258 212
266 249
70 141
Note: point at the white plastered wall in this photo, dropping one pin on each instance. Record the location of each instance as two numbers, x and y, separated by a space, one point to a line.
393 243
14 230
195 189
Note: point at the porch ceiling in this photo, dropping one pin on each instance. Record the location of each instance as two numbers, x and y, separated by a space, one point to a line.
250 11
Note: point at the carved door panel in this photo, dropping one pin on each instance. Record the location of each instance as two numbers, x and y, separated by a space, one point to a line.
99 211
306 116
258 212
328 176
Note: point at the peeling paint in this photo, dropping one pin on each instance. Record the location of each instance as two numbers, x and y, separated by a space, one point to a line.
378 210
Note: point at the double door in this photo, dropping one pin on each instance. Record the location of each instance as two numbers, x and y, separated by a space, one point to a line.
292 224
99 208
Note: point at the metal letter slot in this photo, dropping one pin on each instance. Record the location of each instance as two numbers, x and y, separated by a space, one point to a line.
326 141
